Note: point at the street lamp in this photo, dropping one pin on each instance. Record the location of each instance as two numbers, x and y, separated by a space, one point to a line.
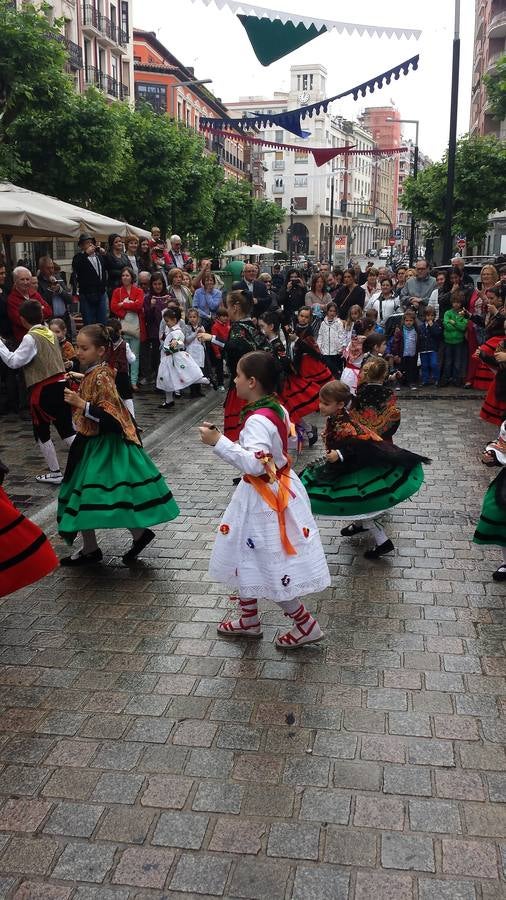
416 123
186 84
452 140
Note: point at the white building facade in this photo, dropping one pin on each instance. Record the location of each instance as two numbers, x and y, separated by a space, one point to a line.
295 182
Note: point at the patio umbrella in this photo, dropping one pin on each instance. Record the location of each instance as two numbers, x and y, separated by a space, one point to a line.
27 215
251 250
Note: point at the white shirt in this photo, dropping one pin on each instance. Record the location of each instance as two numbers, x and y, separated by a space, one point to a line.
370 295
16 359
386 307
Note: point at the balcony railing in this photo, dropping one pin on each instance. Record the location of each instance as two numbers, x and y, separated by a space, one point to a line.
75 54
278 189
106 83
93 19
278 164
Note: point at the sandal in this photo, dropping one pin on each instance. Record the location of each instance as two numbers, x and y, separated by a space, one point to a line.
350 530
236 629
296 637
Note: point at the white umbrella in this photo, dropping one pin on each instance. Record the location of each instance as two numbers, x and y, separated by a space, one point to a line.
29 215
251 250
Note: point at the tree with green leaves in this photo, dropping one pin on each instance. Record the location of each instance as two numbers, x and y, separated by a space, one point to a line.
32 76
480 188
496 89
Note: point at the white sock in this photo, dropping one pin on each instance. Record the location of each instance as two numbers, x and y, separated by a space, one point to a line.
89 543
68 441
376 531
289 606
49 453
130 406
169 396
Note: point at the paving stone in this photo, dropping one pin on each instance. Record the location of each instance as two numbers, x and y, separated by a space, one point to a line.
497 787
383 747
383 886
29 855
474 858
357 775
143 867
341 746
71 784
406 852
366 720
484 820
220 798
23 815
163 759
209 763
237 836
435 889
239 737
75 819
460 785
36 890
166 791
259 879
151 730
417 724
306 770
72 753
263 800
424 752
379 812
293 841
200 875
127 824
438 816
180 829
5 887
24 780
113 787
117 755
195 734
459 728
350 847
387 698
320 883
258 767
326 805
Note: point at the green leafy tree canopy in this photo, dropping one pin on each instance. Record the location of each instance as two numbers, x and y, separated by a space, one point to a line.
496 89
480 188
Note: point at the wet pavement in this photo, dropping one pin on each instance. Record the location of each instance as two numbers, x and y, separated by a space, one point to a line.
141 756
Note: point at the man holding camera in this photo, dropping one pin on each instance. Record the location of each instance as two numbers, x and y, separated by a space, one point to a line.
53 289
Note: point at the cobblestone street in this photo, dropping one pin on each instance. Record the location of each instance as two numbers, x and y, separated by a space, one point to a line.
142 757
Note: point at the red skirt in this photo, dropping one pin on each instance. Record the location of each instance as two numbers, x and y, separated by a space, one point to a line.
315 370
232 409
300 397
484 375
493 409
25 553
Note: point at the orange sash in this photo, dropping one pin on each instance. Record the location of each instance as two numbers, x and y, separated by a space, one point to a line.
276 501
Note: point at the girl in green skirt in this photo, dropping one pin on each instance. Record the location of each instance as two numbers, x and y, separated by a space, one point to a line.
361 476
491 527
109 482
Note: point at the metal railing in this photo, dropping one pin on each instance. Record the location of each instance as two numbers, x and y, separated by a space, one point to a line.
94 19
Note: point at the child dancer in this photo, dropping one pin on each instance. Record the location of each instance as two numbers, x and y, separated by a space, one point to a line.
195 348
120 356
354 357
375 404
68 351
307 358
267 544
299 395
494 405
362 476
109 482
220 329
431 333
40 357
177 369
244 337
25 553
491 527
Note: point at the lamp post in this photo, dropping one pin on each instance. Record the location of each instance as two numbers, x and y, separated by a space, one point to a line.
412 232
452 140
177 84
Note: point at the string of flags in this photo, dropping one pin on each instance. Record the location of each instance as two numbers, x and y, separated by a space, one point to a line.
274 33
321 155
291 119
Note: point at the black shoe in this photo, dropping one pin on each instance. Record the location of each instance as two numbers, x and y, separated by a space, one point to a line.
500 574
84 559
137 546
380 550
350 530
236 480
167 405
313 436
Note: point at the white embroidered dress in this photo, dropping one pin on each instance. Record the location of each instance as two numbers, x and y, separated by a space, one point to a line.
177 370
248 553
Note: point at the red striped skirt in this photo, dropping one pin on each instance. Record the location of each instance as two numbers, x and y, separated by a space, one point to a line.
25 553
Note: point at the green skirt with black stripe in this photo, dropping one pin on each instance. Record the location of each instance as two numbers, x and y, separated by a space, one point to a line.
366 491
111 483
491 527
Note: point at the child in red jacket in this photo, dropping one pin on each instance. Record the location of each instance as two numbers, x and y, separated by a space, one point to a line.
221 329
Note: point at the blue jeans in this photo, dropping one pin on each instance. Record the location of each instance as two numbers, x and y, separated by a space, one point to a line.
454 362
430 366
94 308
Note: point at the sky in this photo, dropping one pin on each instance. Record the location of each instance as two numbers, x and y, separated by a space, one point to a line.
214 42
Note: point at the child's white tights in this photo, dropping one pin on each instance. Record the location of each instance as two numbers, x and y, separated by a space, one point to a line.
90 540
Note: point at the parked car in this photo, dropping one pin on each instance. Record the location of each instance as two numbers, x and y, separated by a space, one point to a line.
371 252
384 253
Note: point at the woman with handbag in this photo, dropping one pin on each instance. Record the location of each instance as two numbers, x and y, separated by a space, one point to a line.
127 303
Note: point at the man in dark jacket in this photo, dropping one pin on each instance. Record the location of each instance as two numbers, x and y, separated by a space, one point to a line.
257 289
91 276
52 288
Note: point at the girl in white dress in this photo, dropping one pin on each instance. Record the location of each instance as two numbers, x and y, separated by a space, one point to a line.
177 369
268 544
